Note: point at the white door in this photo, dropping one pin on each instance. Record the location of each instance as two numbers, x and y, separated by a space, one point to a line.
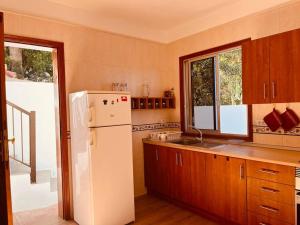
112 175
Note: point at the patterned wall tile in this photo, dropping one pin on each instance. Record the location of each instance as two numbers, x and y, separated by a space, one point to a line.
155 126
264 129
151 126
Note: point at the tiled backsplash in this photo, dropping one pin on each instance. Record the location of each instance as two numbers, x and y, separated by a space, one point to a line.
263 135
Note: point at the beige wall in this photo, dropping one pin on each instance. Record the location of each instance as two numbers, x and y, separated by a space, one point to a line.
262 24
95 59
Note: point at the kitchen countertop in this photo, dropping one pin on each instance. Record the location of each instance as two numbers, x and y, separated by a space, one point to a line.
269 154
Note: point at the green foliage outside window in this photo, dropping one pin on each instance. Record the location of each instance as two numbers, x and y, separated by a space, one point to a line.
202 72
230 78
33 65
230 70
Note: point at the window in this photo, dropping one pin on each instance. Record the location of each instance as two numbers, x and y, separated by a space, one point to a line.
213 93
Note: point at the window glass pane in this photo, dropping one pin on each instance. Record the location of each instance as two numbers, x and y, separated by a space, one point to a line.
203 93
233 115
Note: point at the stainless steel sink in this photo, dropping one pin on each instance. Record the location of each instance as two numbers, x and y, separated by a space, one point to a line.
196 143
207 145
186 141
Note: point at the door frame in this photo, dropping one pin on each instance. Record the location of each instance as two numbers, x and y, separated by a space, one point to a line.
63 181
5 191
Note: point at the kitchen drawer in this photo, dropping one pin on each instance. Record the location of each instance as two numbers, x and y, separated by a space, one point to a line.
274 191
271 172
273 209
255 219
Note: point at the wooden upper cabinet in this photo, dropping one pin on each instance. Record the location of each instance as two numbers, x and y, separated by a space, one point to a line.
271 69
285 66
256 71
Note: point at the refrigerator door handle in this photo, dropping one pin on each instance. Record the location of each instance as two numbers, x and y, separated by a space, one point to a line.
93 138
91 115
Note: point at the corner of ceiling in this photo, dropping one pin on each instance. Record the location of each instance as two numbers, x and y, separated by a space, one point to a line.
55 11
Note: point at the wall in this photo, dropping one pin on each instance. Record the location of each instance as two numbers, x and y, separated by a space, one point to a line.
38 97
275 20
95 59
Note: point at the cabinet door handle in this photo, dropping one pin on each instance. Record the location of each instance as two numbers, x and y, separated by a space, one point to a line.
269 208
273 90
156 155
265 96
268 171
176 159
180 159
262 223
266 189
242 171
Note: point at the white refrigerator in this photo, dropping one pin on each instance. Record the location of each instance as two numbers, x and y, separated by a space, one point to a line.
101 146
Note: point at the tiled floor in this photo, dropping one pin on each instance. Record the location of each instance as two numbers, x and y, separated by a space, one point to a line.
47 216
149 210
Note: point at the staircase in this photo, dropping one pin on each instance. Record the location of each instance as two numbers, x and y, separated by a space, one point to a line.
27 196
22 147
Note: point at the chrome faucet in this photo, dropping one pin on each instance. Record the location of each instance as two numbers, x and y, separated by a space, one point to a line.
200 133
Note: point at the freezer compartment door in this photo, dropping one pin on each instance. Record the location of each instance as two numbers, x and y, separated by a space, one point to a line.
112 175
109 109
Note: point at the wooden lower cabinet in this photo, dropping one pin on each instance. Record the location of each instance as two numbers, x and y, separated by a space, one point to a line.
271 194
272 209
223 186
271 172
198 181
255 219
226 187
187 177
157 175
215 184
168 172
270 190
236 190
180 175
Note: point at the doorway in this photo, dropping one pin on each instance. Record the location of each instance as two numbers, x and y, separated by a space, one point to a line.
60 173
30 96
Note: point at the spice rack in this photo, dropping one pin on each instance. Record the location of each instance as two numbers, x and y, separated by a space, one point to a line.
141 103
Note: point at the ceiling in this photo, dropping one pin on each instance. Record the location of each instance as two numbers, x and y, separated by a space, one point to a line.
157 20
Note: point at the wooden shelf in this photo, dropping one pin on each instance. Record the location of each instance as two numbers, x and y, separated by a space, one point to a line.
140 103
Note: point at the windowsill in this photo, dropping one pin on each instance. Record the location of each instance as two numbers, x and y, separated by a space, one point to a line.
228 137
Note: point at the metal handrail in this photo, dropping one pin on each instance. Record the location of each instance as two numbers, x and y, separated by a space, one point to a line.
18 108
32 142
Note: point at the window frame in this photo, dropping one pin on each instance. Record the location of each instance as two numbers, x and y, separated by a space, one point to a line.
183 97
